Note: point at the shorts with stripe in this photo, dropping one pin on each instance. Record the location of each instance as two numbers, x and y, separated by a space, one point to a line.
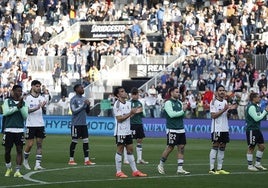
137 131
123 140
254 137
35 132
79 132
13 138
174 139
220 137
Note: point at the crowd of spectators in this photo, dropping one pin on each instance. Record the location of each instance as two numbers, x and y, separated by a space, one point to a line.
216 39
198 98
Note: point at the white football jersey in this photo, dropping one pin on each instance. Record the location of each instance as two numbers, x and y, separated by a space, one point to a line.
219 124
35 119
121 109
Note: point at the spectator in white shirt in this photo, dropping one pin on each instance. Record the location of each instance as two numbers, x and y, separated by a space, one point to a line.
63 104
132 50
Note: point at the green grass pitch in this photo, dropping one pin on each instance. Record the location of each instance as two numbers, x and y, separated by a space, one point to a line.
102 175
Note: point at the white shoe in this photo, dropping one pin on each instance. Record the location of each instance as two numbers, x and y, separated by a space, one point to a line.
142 162
161 169
260 167
181 171
38 168
26 164
252 168
126 162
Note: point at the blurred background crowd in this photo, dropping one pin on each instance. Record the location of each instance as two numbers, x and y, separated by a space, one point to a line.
216 41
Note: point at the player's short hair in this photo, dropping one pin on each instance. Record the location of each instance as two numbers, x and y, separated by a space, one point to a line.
171 90
219 86
16 87
134 91
35 82
253 95
116 90
76 86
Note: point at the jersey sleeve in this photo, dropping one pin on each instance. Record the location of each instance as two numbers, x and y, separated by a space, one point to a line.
169 110
24 111
117 110
7 110
253 113
213 108
75 108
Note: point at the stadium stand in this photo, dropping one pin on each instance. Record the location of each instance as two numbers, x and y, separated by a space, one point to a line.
189 37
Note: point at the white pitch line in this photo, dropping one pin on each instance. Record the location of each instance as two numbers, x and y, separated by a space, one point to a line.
28 175
36 182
